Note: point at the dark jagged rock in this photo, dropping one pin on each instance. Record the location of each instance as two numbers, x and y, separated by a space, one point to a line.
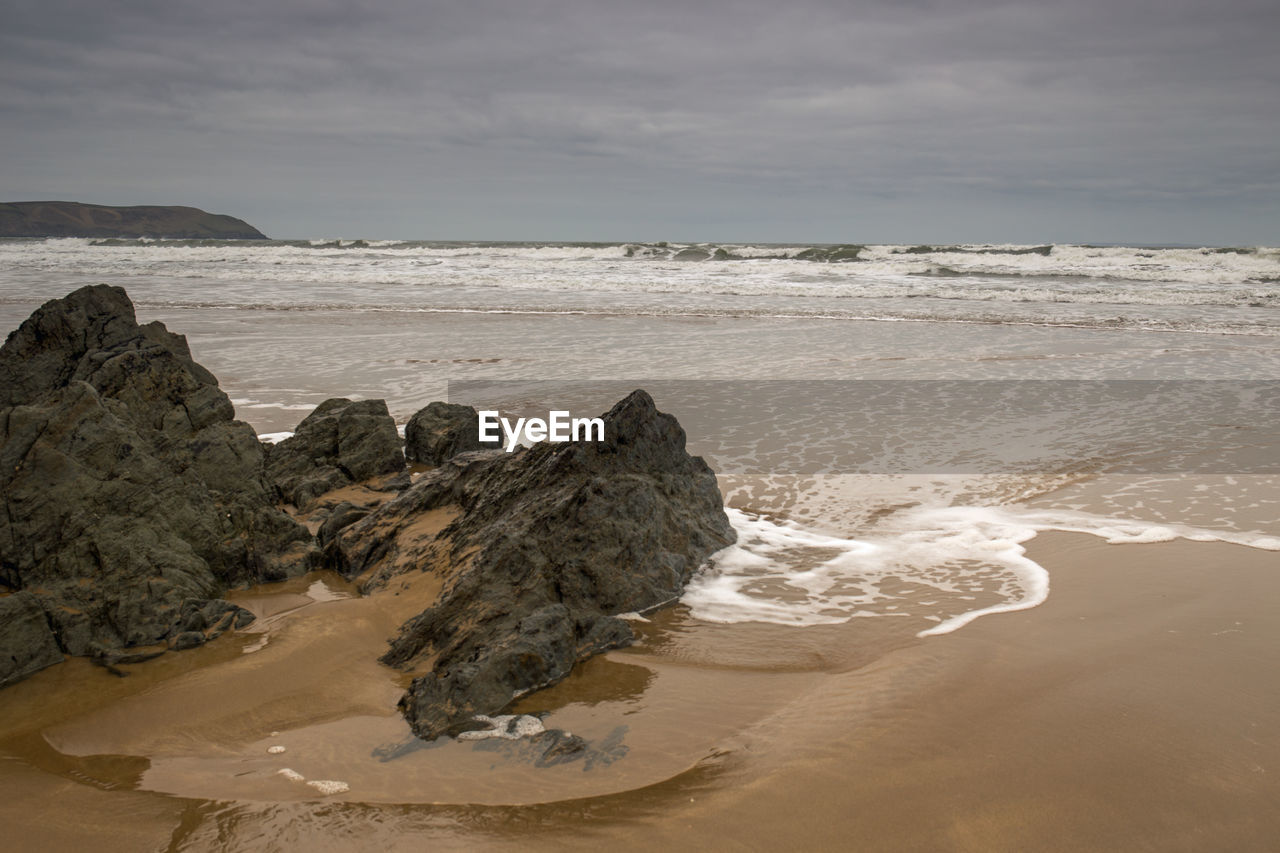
128 487
26 641
397 483
441 431
558 747
340 443
187 640
551 543
341 516
110 658
210 617
543 748
74 219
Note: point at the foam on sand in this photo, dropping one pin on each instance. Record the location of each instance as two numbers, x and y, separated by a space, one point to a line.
504 726
946 565
327 787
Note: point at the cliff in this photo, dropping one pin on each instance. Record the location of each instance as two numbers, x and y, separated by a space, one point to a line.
73 219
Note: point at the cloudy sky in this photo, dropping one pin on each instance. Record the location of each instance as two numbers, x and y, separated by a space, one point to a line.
722 120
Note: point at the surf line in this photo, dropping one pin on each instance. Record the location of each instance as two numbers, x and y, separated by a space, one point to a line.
558 426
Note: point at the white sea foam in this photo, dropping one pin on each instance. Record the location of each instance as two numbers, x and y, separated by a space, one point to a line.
505 727
632 616
328 787
245 403
925 562
1058 285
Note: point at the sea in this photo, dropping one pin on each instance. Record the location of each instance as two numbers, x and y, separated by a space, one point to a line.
891 425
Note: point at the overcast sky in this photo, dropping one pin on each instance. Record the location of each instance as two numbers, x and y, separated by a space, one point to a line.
813 120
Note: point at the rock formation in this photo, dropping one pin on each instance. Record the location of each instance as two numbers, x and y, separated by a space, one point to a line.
26 643
132 497
441 431
340 443
546 547
73 219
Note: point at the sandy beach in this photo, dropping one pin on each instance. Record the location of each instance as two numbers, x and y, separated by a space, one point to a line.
1141 718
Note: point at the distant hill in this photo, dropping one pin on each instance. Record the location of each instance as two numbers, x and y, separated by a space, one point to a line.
73 219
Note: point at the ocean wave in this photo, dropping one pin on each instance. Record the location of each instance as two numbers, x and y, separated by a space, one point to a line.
315 258
1195 289
1193 325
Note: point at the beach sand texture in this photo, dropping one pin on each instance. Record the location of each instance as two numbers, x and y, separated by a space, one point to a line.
1142 718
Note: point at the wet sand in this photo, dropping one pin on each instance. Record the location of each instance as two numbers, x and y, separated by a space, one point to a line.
1136 709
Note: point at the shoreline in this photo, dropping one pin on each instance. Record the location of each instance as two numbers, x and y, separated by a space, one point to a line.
1140 718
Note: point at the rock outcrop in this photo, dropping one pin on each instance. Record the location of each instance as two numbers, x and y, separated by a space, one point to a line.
74 219
441 431
541 550
340 443
132 497
26 641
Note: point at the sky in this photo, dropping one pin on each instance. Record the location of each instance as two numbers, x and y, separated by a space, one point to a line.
906 121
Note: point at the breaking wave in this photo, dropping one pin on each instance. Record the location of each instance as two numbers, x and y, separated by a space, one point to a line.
1222 290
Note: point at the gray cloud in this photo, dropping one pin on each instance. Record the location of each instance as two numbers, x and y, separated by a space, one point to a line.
971 120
